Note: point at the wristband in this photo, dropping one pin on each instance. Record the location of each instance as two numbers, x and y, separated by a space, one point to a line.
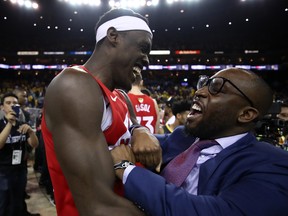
132 127
122 165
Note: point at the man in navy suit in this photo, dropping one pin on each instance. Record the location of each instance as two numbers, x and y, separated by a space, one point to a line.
238 176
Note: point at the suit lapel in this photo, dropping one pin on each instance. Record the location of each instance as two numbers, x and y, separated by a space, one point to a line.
209 168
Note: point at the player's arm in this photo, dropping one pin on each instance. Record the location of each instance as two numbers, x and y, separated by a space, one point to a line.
144 144
73 112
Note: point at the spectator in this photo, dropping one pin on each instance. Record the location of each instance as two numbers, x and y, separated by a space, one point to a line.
13 170
283 115
180 110
284 111
169 118
22 99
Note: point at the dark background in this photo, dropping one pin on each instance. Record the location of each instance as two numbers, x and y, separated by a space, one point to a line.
266 31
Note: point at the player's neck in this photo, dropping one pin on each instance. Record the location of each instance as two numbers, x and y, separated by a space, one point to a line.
135 90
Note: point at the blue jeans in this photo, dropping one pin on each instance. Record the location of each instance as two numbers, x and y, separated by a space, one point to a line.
12 187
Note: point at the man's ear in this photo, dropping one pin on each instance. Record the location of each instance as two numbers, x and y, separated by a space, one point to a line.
178 116
248 114
112 35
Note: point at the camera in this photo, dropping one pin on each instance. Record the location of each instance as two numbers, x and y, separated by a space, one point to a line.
271 129
16 109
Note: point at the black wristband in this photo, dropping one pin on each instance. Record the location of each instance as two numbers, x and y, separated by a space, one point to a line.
132 127
123 164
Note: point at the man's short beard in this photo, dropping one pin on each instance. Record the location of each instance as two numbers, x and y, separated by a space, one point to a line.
189 131
202 131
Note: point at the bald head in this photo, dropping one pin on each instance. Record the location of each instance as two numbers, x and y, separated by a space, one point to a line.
253 86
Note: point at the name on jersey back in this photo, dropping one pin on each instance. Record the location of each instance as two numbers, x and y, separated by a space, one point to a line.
142 107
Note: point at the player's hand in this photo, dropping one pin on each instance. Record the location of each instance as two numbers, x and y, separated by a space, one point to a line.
146 148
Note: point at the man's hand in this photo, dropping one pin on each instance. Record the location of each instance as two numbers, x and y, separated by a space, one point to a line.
122 152
11 117
25 128
146 148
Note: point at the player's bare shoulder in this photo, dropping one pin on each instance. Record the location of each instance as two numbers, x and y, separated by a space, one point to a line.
70 79
69 93
71 74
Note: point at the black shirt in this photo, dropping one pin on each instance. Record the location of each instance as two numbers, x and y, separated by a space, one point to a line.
15 141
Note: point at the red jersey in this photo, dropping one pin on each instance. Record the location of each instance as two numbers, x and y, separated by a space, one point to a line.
144 107
116 116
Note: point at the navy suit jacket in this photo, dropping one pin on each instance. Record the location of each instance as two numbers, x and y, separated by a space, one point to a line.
247 178
174 143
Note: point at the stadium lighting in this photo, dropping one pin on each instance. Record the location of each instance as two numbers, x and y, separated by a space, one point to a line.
132 3
176 1
25 3
35 5
93 3
160 52
122 3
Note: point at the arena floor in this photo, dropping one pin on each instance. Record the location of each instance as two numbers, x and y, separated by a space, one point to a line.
39 201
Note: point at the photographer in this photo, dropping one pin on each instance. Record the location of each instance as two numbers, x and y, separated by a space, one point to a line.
284 110
13 137
273 127
283 115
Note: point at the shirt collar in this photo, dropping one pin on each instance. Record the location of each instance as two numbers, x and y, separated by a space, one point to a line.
227 141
